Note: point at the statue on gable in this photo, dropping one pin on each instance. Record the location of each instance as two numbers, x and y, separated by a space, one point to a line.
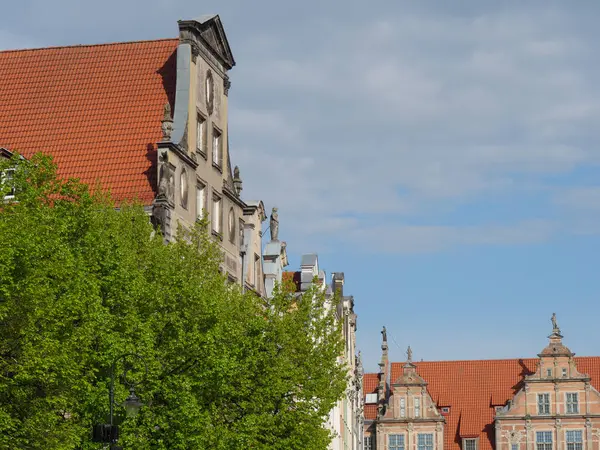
409 354
166 183
555 327
274 225
167 123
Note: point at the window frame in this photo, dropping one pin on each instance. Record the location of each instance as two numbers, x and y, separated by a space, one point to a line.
217 216
217 148
544 444
202 188
6 178
574 445
546 404
417 406
201 134
426 445
399 442
402 407
569 404
368 443
467 441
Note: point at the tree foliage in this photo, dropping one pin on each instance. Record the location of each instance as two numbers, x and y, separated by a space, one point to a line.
82 283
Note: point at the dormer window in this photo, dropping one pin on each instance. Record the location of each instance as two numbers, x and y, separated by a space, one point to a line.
469 444
371 398
445 410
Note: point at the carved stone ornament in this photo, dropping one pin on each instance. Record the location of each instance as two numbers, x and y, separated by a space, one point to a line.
195 51
410 426
226 85
209 92
558 424
439 426
167 123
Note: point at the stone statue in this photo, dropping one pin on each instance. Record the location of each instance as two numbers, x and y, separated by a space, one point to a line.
237 181
274 225
554 324
167 123
384 333
409 354
166 182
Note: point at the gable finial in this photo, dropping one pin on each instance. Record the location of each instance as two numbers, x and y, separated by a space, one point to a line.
409 354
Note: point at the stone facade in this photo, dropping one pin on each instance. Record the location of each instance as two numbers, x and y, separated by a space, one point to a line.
195 171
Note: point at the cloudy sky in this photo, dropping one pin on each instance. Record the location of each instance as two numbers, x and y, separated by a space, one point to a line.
444 155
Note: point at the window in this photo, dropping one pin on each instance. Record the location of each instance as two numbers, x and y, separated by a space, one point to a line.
200 200
572 403
241 231
209 91
184 188
402 407
371 398
217 148
543 401
257 271
549 373
368 441
469 444
543 440
201 135
7 177
216 214
231 226
574 440
445 410
514 447
417 407
396 442
425 441
564 372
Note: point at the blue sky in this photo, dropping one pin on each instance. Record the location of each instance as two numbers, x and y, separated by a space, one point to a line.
444 155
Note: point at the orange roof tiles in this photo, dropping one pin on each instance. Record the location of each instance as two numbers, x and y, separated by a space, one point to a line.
472 389
96 108
370 382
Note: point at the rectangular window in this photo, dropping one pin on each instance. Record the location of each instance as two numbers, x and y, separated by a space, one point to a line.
402 407
543 401
371 398
543 440
572 403
201 134
564 372
514 447
217 148
216 214
574 440
200 200
469 444
396 442
549 373
368 443
425 441
257 271
7 178
417 407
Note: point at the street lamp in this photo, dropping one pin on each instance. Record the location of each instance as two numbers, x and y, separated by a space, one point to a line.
109 433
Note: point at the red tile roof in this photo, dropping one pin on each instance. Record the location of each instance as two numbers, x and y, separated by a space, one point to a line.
370 382
96 108
473 388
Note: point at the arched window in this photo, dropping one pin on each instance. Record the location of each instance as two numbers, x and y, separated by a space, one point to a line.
184 188
231 226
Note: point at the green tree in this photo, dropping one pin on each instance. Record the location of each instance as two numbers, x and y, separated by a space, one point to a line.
82 283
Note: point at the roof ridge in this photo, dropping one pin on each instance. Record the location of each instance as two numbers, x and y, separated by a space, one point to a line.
484 360
103 44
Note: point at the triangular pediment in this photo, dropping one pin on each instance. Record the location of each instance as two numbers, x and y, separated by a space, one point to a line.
209 29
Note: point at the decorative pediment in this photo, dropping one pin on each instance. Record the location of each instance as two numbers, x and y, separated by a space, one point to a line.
207 31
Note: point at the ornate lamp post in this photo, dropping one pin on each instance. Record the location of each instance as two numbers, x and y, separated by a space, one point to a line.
109 433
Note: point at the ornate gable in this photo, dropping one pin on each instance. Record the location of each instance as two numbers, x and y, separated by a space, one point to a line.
208 32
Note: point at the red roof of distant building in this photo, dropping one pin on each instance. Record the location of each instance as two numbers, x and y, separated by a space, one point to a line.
472 390
292 277
96 108
370 382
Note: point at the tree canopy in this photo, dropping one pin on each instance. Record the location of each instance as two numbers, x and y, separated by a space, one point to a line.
83 282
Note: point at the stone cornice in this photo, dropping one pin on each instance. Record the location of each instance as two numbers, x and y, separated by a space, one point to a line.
182 154
233 196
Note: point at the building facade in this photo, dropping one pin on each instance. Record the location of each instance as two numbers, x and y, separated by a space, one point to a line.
548 403
147 121
345 420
